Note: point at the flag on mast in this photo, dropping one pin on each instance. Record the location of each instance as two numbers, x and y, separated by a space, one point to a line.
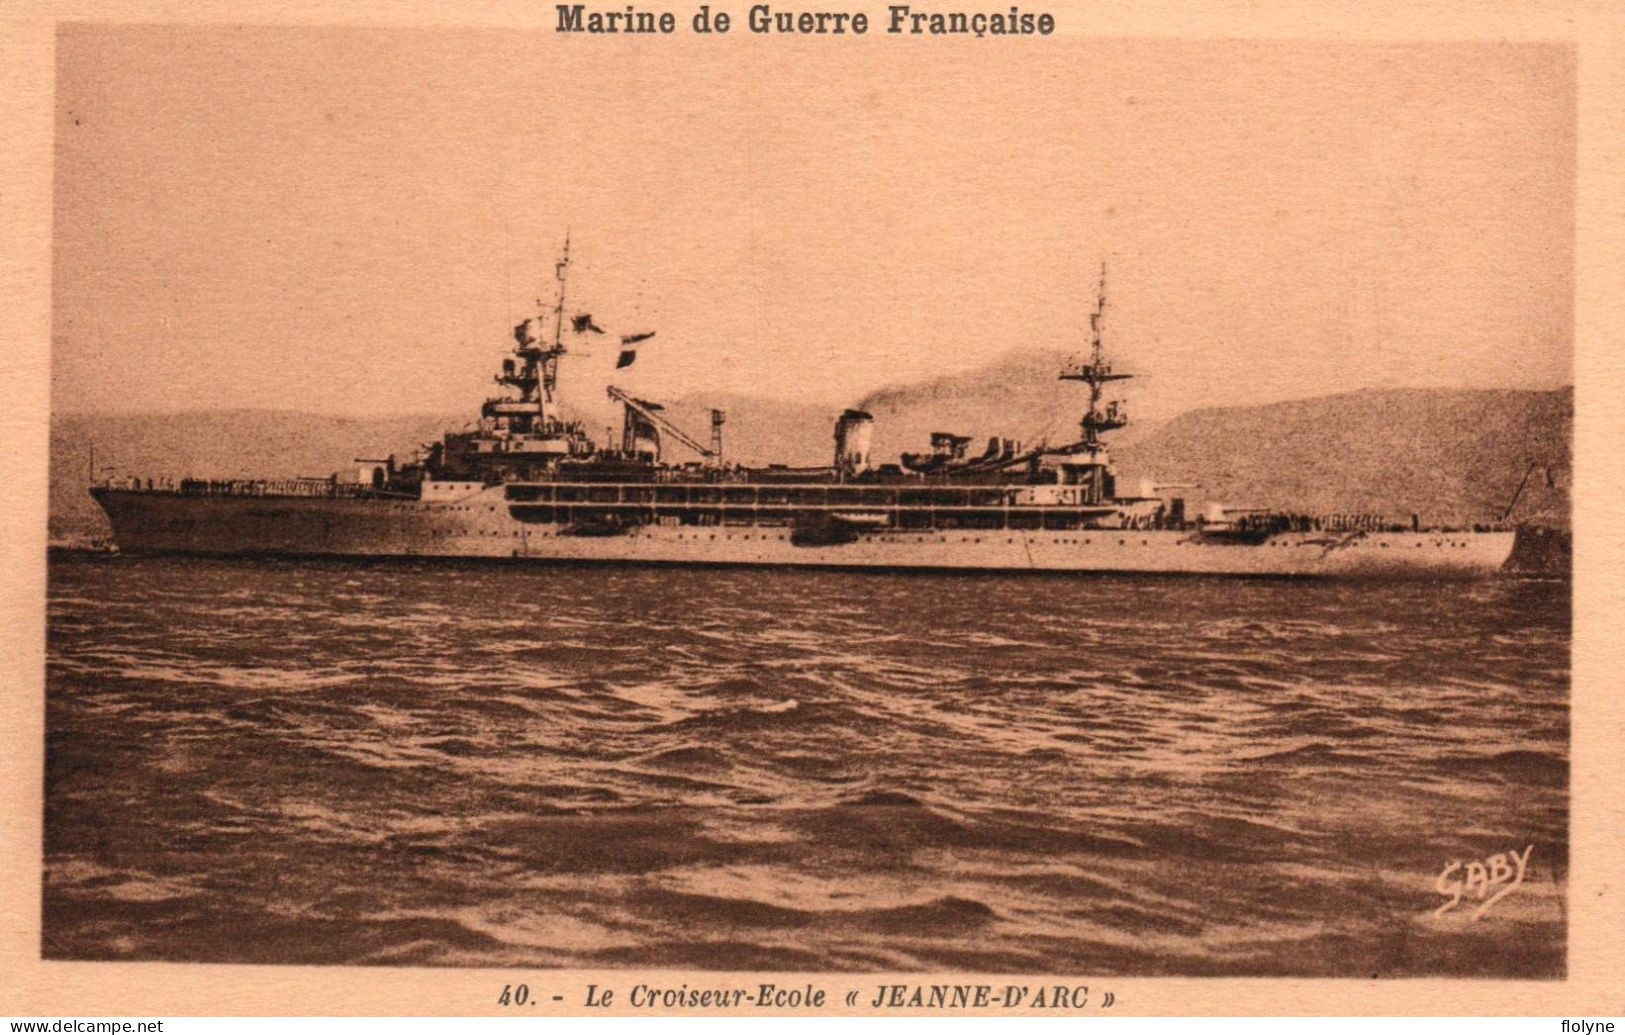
628 353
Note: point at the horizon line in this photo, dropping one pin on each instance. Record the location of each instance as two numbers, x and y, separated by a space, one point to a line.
772 399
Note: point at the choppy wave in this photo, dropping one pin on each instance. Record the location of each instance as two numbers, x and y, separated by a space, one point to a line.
439 764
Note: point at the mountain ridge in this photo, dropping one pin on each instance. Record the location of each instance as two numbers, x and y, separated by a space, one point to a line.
1449 455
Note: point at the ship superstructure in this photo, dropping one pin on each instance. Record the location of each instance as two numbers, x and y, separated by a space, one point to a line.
527 483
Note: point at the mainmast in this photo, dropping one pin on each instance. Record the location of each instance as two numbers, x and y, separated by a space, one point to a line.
1097 419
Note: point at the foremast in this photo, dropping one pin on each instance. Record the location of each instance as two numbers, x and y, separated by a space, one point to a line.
523 434
1090 465
536 374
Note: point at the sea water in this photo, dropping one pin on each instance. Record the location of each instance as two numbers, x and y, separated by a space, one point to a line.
464 764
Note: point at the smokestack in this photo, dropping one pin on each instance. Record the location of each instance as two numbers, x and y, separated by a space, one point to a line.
853 433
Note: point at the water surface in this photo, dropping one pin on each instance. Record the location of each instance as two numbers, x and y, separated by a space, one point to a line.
323 762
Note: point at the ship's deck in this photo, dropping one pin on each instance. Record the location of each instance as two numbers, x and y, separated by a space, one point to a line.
915 506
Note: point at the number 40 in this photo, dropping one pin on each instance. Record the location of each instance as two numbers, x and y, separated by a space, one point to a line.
514 995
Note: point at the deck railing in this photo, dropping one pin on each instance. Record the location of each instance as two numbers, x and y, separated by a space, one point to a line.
322 488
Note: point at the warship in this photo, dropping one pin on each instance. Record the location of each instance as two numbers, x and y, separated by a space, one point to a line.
527 483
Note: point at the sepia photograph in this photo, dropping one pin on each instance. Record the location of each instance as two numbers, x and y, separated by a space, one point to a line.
907 500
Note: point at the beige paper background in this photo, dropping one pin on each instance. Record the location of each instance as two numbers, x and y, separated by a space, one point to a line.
31 987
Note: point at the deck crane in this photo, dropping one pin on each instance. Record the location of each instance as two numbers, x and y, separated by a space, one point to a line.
651 413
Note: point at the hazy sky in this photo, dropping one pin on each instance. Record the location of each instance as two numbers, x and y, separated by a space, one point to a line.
351 220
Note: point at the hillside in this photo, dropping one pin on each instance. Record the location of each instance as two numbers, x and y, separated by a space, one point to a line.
761 431
1449 454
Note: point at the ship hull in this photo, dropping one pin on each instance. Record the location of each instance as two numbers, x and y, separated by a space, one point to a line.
481 525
